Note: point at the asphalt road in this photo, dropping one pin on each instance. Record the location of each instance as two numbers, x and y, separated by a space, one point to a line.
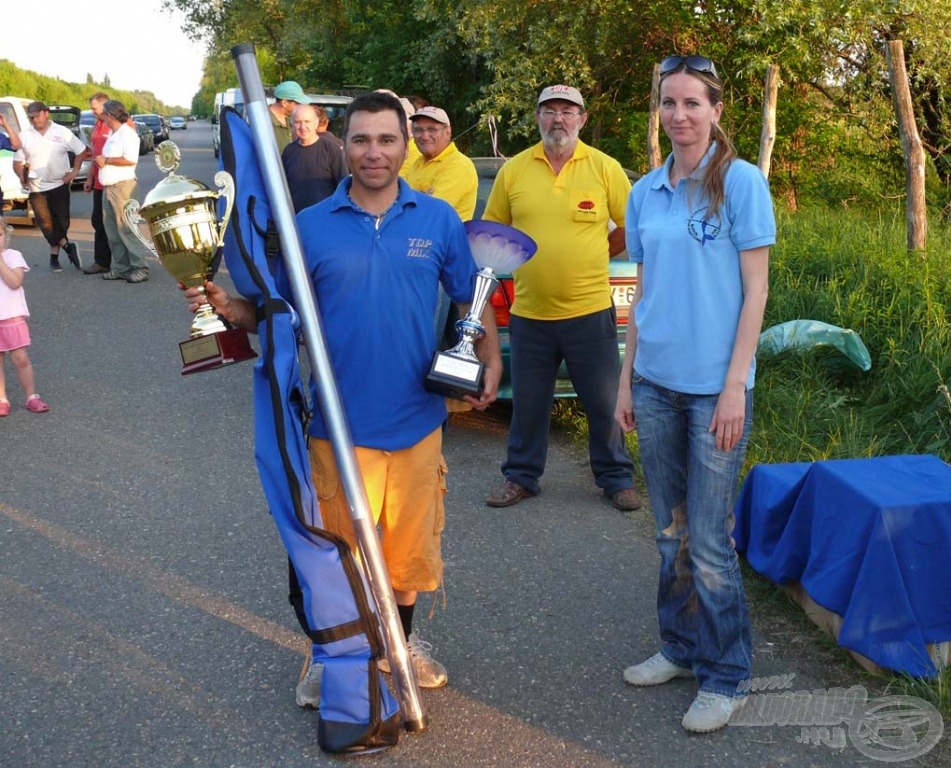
143 619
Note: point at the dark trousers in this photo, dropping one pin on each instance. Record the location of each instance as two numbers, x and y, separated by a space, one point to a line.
51 210
101 252
589 347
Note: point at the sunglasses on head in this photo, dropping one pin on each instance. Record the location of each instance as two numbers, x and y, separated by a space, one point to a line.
694 63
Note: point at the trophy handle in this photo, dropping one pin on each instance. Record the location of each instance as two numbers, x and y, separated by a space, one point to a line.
225 184
131 212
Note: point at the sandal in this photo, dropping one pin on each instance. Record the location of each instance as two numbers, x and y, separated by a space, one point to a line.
4 407
35 404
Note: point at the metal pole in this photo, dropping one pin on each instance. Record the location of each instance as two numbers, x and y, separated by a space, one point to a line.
256 111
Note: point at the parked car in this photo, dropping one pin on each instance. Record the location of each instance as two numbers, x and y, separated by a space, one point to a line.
16 200
156 123
71 118
178 123
334 105
146 139
622 276
231 97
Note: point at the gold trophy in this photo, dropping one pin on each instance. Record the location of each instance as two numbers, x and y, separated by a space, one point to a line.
183 221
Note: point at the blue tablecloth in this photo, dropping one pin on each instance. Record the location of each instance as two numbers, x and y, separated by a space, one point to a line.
868 539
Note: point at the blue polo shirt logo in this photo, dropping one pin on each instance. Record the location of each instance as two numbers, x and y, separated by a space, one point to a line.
700 228
418 248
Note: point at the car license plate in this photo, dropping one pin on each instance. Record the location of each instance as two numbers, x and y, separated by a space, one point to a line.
623 294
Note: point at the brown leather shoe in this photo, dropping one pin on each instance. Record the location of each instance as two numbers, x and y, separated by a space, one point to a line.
626 500
507 494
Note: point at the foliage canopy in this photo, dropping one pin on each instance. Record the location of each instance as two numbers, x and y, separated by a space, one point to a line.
836 129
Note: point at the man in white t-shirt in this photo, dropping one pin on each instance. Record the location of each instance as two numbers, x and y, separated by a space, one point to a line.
116 166
43 164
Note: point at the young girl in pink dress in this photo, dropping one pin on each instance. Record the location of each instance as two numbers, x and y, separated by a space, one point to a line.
14 332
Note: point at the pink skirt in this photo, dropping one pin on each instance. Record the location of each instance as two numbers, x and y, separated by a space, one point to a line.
14 334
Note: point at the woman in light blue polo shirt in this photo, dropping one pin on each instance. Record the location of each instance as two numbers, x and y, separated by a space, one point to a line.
700 228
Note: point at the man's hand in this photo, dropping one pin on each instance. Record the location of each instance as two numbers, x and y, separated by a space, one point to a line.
492 375
237 311
490 353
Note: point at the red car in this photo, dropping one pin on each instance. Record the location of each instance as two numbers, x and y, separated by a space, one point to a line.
623 277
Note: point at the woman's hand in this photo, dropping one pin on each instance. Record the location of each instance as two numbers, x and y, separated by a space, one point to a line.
729 417
624 409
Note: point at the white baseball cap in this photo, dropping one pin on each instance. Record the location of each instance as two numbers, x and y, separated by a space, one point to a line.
433 113
563 92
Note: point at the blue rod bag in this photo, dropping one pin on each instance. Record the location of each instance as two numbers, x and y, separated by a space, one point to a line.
357 711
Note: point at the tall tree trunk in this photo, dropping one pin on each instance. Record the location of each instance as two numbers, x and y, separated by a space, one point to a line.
768 135
916 213
654 157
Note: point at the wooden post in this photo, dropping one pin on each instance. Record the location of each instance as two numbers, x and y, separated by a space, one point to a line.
654 157
768 135
916 212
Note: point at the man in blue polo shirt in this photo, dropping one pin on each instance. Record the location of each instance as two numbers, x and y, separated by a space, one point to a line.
377 251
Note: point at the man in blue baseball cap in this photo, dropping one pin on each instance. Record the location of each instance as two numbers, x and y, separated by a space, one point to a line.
287 95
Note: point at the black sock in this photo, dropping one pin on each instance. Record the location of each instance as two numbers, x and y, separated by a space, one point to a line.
406 617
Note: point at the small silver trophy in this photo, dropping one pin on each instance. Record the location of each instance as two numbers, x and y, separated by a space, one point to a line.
496 248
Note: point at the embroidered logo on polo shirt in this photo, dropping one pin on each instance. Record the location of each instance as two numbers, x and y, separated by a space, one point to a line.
700 228
586 205
418 248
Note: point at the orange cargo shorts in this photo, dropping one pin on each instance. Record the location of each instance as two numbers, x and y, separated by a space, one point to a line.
406 491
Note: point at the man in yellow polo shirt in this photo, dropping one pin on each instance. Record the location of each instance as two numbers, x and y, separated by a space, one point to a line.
441 170
563 194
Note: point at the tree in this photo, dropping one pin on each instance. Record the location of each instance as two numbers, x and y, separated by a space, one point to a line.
836 136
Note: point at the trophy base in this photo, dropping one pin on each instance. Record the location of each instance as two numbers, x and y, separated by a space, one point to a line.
454 377
215 351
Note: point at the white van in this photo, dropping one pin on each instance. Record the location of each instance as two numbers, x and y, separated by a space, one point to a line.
232 97
16 200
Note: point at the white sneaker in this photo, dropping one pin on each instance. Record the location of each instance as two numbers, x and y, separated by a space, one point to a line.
429 672
308 686
710 712
656 670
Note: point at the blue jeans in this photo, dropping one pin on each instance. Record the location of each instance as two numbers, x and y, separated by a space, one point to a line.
701 606
589 347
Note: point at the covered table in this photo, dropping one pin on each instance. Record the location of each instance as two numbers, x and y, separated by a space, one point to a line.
868 540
